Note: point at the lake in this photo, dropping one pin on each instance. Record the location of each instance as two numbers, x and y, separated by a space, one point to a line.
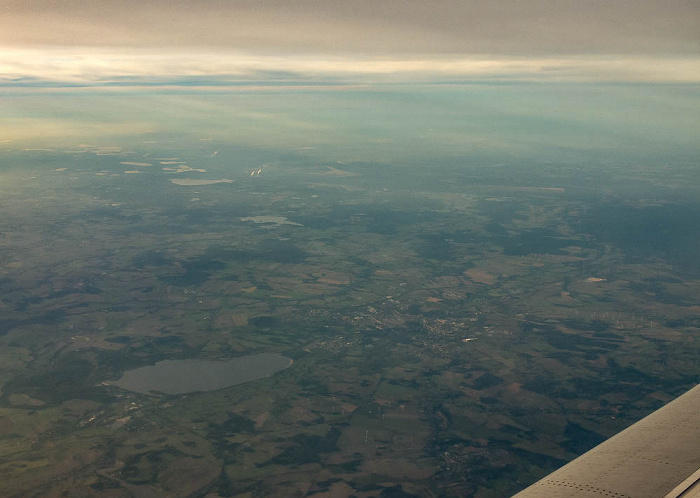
188 376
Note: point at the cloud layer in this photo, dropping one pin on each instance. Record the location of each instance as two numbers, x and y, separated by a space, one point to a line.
512 27
229 41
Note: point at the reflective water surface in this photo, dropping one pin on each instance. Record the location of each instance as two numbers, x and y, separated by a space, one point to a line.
187 376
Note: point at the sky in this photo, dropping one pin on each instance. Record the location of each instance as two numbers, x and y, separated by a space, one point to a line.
581 40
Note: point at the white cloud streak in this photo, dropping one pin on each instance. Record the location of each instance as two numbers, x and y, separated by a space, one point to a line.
95 66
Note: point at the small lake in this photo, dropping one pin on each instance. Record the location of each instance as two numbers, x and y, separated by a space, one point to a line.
188 376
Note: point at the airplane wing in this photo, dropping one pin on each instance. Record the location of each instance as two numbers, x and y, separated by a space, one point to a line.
658 457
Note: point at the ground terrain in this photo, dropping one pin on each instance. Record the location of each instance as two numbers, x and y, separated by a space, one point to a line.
460 331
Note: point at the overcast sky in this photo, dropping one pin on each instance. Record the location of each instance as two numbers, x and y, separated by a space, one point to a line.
622 36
